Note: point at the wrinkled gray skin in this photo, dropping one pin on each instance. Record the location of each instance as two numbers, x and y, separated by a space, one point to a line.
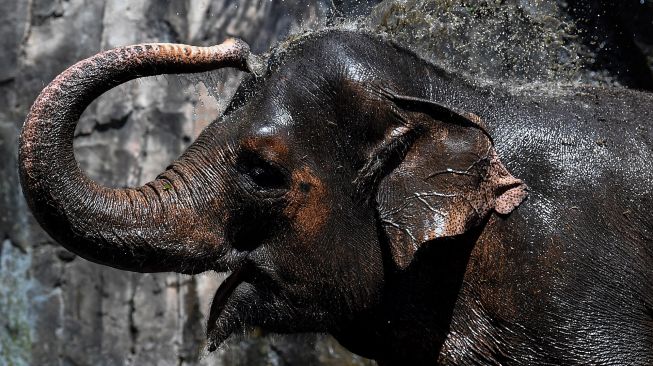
272 191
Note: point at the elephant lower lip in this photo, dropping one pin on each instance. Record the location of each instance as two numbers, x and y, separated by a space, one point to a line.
215 335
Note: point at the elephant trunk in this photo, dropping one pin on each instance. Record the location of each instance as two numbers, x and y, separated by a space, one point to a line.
146 229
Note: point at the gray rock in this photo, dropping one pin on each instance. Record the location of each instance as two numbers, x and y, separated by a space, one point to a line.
59 309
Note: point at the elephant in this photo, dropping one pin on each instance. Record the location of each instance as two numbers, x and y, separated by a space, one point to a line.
418 215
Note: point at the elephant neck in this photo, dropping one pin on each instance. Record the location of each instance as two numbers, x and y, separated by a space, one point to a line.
414 321
461 301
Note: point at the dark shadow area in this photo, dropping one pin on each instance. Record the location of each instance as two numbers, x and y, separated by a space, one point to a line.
436 277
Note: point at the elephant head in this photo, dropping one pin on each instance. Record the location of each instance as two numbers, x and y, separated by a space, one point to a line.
333 166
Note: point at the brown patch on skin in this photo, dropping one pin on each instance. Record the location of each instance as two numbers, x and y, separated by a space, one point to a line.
489 266
553 255
273 148
508 192
553 264
308 206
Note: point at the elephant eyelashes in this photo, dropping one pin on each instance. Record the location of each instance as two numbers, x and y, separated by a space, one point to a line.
265 175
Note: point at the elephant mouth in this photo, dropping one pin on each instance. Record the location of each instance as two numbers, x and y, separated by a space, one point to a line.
218 329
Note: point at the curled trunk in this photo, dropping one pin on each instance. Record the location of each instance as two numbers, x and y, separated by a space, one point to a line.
147 229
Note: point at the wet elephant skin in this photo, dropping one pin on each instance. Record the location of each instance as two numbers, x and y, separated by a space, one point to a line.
421 217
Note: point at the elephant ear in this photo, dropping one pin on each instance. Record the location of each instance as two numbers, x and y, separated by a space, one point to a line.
436 175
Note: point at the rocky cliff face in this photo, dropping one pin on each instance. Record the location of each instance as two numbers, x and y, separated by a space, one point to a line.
57 309
521 42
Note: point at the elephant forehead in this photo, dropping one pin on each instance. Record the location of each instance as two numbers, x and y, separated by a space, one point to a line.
269 120
270 117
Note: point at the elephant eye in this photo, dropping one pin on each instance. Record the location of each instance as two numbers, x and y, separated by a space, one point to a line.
264 174
267 176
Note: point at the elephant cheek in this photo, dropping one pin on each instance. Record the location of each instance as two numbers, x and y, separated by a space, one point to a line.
308 204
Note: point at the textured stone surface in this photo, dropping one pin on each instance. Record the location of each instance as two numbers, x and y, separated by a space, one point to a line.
57 309
527 41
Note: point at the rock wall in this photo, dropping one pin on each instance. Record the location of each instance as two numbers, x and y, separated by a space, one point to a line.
57 309
521 42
